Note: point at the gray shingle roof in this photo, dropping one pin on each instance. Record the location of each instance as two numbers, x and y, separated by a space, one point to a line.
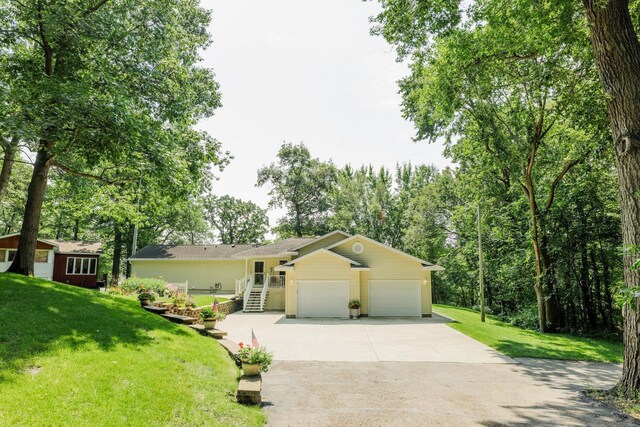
194 252
274 249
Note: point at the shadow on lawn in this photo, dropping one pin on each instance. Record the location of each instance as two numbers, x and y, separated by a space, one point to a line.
43 317
555 348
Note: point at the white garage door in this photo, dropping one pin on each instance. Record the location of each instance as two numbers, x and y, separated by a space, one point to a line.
323 298
395 298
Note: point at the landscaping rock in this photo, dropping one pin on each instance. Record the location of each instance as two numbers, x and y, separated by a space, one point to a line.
249 390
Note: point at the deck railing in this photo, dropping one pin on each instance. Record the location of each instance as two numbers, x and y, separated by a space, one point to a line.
276 281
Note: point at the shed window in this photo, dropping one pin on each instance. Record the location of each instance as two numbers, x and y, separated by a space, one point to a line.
42 256
76 265
11 255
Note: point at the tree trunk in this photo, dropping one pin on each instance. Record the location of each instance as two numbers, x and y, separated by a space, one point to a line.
117 254
617 54
10 149
76 229
25 255
129 249
598 288
607 286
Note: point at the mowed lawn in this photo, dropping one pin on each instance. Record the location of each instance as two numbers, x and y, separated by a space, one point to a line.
70 356
517 342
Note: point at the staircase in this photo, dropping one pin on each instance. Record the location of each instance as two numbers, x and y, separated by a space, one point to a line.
254 301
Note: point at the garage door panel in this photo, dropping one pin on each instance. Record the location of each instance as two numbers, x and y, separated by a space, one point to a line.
399 298
321 298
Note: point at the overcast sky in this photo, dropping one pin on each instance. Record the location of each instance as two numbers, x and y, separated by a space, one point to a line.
305 71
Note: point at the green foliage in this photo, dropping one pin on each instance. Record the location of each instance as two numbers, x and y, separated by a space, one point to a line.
147 294
136 284
73 345
208 313
301 185
354 304
236 221
258 356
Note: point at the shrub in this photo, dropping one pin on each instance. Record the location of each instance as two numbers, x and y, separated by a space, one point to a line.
258 356
209 313
146 294
170 291
178 299
134 284
526 318
354 305
487 309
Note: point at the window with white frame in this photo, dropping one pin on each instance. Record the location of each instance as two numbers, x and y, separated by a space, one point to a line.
77 265
8 255
42 256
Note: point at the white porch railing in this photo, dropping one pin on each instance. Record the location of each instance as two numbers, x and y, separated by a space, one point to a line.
183 288
276 281
247 290
263 295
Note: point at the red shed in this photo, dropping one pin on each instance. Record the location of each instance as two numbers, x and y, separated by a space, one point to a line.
75 263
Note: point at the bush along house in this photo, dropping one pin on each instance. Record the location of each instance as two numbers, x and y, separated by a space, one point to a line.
74 263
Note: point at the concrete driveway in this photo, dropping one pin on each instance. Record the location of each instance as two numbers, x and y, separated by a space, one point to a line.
533 392
364 340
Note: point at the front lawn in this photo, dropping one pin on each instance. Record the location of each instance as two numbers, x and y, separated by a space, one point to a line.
517 342
201 300
71 356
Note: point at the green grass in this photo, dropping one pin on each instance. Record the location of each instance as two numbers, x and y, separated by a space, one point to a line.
517 342
71 356
201 300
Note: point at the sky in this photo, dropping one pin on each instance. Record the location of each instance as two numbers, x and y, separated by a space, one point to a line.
305 71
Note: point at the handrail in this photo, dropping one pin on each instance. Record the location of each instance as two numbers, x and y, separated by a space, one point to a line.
247 291
263 294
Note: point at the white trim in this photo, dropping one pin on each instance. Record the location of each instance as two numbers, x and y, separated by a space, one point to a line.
317 239
314 253
375 242
433 267
73 269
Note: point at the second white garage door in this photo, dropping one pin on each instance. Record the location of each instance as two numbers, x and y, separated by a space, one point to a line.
323 298
395 298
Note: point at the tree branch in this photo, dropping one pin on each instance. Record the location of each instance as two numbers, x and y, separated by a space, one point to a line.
94 8
552 191
99 178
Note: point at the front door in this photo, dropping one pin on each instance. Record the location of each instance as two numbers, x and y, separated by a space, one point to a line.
258 272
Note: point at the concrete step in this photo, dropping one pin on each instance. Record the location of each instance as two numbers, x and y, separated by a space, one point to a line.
155 309
215 333
249 389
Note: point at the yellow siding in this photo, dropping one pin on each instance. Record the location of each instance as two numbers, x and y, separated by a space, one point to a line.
426 293
200 274
323 243
275 299
320 267
385 264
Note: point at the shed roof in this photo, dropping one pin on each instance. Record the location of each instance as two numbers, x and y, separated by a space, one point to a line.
77 247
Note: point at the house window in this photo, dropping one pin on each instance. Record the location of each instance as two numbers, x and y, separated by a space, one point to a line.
283 261
11 255
42 256
78 265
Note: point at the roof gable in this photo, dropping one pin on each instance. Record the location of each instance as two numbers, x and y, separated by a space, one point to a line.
323 237
425 264
287 266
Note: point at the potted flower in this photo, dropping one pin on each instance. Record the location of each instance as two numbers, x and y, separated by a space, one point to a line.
210 316
146 297
254 359
354 308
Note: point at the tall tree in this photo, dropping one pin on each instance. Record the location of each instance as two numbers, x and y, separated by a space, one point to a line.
236 221
107 84
301 185
617 53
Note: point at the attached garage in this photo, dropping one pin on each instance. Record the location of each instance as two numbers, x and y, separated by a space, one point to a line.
395 298
323 298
